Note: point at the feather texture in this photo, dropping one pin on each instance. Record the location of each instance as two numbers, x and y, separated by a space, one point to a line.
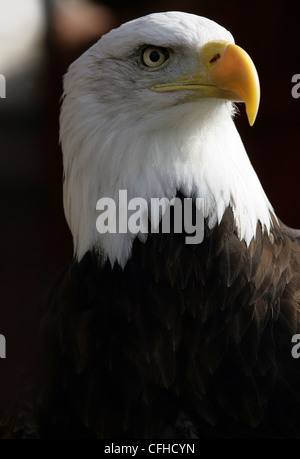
126 351
150 337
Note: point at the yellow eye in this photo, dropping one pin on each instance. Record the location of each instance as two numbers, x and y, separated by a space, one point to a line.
153 56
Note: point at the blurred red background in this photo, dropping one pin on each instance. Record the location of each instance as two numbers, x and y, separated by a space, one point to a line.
35 241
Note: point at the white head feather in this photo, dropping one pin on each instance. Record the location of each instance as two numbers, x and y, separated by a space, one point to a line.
118 134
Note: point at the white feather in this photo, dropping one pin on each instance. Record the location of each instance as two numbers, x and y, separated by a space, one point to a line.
118 134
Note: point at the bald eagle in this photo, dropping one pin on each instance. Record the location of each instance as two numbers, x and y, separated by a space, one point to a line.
145 335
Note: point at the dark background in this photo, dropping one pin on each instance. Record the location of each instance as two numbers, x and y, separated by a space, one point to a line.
35 241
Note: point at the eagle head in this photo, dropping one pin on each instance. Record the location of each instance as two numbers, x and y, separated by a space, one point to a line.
149 109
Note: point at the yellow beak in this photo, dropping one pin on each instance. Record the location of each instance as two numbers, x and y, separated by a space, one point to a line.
225 71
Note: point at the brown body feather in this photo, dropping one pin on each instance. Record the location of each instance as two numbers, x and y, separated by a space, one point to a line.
188 341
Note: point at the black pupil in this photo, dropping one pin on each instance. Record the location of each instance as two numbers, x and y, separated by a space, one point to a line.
154 56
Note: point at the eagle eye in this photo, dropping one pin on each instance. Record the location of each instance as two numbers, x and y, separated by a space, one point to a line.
154 56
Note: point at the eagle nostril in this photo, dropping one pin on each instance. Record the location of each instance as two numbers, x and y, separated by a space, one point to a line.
215 58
